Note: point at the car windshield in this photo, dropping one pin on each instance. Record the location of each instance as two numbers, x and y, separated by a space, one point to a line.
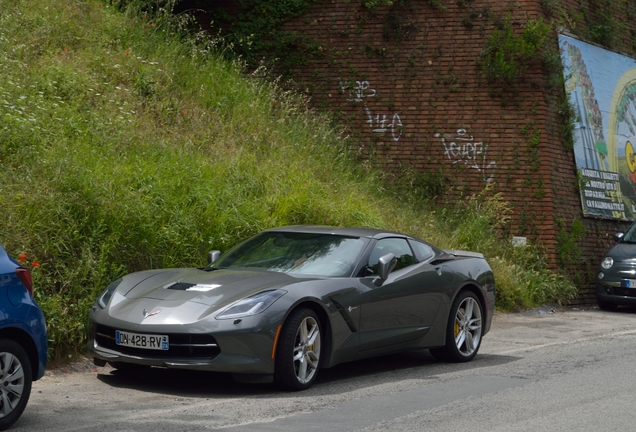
630 235
291 252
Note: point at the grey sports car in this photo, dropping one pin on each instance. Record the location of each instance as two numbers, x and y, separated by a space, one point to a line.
289 301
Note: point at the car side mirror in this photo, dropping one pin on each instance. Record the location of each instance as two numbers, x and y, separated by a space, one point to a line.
213 256
618 236
386 264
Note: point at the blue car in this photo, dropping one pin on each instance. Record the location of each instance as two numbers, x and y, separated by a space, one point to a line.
23 341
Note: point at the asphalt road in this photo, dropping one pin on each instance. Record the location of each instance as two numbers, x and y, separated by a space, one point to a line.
567 370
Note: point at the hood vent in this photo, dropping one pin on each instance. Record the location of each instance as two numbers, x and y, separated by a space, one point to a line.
180 286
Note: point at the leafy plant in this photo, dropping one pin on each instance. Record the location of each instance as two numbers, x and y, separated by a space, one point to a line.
506 55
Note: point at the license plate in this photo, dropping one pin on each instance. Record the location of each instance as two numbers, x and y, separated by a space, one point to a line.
630 283
145 341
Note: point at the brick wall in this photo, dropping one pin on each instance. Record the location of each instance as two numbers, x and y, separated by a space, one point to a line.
417 68
406 82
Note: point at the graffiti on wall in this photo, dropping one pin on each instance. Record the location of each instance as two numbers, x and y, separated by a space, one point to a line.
462 148
357 91
380 124
602 89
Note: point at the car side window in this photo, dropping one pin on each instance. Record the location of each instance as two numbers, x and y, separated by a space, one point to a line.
422 250
398 247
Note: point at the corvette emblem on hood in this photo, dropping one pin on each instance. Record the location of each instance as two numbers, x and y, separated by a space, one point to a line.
149 314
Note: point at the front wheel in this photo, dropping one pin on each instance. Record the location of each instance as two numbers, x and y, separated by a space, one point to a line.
298 354
606 306
15 382
463 334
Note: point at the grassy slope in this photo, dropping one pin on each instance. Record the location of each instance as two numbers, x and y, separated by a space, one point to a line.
124 146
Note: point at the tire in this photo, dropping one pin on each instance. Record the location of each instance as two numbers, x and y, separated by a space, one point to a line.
464 330
15 382
606 306
298 354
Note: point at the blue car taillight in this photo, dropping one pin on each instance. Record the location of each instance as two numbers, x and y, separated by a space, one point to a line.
25 277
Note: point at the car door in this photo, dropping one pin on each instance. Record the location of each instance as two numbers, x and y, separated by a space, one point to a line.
404 307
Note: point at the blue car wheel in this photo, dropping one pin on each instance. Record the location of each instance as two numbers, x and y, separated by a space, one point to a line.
15 382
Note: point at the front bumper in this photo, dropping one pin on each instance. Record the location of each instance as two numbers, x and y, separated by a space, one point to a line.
221 363
615 292
224 352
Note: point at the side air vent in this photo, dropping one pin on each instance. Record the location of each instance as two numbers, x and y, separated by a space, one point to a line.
345 315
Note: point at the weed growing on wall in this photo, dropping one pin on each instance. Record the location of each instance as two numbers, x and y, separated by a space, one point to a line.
506 55
556 87
372 5
568 250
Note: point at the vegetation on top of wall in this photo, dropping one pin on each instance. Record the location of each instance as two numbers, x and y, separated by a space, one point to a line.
252 29
601 25
373 5
604 22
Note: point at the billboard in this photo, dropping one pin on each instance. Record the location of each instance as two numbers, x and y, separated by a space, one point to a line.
602 89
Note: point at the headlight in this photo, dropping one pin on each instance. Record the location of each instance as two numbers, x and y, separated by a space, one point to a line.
607 263
104 298
251 305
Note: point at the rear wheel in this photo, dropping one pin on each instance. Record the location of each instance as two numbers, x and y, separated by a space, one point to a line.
463 334
15 382
298 355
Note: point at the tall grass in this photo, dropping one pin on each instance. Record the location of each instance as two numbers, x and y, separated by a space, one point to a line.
126 144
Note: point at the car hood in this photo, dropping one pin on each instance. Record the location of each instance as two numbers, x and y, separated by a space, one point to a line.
188 295
625 252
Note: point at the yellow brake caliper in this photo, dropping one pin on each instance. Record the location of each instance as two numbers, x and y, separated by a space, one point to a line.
456 327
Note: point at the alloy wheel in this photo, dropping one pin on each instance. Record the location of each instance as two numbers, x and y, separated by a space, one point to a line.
12 383
468 326
307 350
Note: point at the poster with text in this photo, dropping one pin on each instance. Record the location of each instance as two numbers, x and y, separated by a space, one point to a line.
602 88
